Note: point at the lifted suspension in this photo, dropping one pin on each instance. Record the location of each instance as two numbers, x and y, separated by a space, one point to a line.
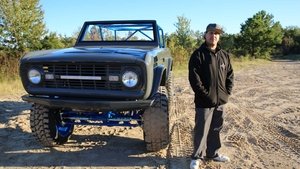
110 118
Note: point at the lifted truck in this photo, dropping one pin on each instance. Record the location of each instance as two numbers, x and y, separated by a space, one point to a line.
119 73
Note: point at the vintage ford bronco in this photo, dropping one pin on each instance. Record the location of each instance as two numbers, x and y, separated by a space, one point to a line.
119 73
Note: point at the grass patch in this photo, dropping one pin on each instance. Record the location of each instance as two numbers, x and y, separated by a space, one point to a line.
180 70
10 83
11 87
237 64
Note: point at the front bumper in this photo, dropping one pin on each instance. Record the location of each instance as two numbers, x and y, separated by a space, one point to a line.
88 105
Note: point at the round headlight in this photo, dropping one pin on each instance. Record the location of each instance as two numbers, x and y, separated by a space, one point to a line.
34 76
130 79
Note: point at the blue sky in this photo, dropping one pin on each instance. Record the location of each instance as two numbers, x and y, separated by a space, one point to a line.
66 16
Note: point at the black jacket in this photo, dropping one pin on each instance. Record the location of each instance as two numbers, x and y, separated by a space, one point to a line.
210 76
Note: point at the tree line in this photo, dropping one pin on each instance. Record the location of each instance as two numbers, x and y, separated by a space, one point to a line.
260 37
22 29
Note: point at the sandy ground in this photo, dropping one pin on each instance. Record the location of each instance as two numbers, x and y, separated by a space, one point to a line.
262 129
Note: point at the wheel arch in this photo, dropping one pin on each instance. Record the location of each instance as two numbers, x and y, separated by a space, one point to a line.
158 78
161 75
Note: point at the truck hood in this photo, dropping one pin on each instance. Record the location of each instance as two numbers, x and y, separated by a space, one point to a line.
86 55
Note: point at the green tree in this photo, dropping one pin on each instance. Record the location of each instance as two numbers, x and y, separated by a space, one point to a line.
227 42
291 40
52 41
178 52
22 25
198 38
183 41
68 41
260 34
184 32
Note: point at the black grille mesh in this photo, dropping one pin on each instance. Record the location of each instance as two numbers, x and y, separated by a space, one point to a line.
83 70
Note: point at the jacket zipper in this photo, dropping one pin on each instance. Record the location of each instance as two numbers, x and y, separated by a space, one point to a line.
217 78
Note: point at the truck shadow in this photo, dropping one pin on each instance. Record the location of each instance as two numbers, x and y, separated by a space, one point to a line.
19 147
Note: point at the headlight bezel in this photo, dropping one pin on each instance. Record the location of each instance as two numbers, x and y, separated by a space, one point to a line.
132 78
34 76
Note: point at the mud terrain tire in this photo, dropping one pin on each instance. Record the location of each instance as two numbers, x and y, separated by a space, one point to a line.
47 127
156 123
170 88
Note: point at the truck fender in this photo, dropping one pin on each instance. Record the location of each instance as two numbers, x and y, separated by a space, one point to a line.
158 74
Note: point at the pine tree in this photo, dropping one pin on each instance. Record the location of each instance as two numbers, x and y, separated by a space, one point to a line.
22 25
260 35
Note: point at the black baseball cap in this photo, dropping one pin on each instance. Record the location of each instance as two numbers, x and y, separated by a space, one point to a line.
214 27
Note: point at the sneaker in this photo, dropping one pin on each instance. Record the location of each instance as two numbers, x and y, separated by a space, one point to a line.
221 158
195 164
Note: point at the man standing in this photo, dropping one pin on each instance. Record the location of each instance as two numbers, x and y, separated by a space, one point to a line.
211 78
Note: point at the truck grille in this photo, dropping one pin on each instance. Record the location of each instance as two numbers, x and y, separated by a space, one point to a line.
95 76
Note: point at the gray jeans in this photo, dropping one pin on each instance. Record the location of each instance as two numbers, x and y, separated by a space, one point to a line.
208 124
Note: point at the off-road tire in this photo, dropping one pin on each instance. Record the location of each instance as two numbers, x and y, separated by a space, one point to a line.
170 87
156 123
43 123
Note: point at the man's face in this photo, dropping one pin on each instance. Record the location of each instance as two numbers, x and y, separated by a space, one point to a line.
212 38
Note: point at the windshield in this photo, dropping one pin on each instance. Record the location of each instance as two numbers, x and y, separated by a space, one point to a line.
119 32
